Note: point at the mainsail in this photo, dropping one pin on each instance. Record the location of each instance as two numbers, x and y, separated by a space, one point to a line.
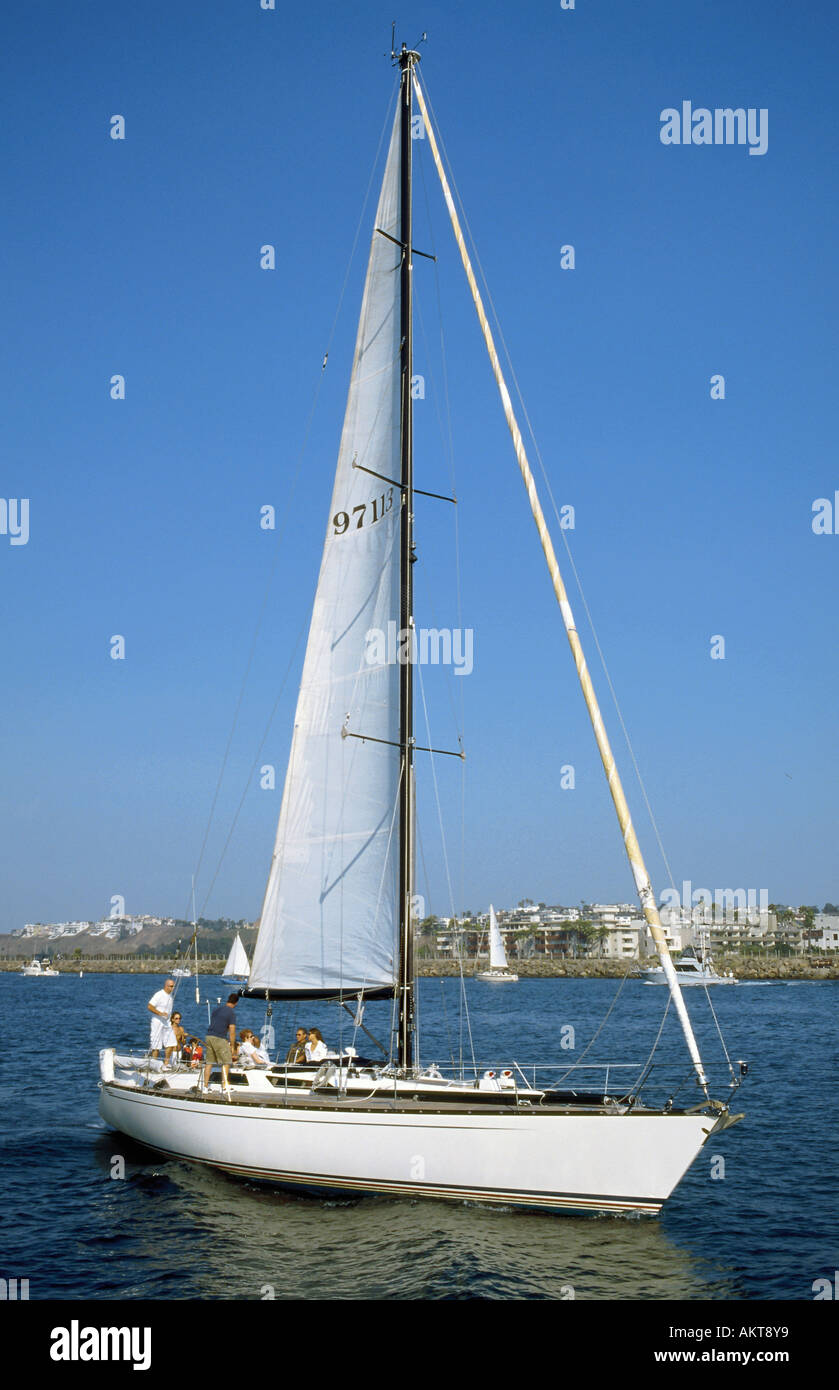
329 920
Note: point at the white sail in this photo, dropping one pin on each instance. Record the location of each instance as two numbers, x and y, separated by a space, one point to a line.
497 954
329 919
237 962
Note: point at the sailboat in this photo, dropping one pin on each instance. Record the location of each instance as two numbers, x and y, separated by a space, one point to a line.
336 917
499 971
236 967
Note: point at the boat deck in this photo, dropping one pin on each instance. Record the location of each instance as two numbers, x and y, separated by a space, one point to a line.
298 1089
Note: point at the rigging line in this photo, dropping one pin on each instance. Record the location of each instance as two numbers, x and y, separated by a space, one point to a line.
449 442
385 863
462 829
465 1008
448 436
279 851
531 432
563 532
436 789
606 673
339 843
446 1022
426 879
598 1031
253 766
719 1030
387 123
429 603
418 845
646 1067
298 469
435 397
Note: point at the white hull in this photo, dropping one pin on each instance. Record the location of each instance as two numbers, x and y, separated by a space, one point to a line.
499 977
656 976
530 1158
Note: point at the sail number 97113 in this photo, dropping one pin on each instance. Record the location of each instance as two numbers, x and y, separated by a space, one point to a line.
365 514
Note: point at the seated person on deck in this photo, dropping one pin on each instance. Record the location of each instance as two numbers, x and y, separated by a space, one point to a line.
297 1052
316 1048
250 1053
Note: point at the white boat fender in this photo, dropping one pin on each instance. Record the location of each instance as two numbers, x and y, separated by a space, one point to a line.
106 1063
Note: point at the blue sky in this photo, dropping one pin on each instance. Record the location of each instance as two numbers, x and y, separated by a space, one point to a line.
693 516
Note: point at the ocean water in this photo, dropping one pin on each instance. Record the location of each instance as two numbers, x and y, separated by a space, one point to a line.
763 1228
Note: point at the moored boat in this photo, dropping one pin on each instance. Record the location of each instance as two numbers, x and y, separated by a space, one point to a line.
37 969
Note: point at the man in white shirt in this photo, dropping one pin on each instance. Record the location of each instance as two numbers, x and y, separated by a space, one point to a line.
162 1032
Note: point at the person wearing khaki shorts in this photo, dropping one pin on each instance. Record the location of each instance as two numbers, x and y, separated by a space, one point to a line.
218 1051
218 1044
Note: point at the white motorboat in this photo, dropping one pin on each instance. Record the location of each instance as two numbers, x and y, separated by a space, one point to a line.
499 971
336 918
37 969
692 968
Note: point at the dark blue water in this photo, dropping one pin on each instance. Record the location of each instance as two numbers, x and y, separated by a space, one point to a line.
765 1229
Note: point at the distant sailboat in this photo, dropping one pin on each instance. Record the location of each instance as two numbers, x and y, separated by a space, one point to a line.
336 918
499 972
237 967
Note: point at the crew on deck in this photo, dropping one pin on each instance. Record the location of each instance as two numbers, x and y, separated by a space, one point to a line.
297 1052
250 1053
316 1048
162 1033
220 1040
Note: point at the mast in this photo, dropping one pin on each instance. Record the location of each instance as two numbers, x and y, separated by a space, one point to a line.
633 849
405 1041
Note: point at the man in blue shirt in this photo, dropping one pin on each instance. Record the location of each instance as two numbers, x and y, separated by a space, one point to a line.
218 1044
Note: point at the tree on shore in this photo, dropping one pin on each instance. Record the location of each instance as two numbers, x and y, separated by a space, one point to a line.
808 931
